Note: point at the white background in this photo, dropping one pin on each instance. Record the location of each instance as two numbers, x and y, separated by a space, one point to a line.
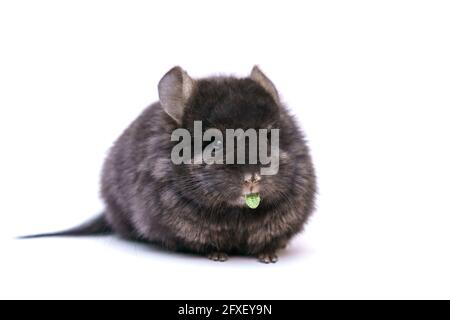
368 80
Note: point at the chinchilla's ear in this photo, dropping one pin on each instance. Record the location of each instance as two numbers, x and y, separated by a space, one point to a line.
175 88
258 76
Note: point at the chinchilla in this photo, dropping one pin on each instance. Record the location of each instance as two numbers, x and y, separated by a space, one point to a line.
210 209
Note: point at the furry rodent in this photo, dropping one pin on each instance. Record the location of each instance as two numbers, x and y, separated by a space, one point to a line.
198 208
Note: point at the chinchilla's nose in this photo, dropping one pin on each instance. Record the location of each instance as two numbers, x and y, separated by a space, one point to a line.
252 178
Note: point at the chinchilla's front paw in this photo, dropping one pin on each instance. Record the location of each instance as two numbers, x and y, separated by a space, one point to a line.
218 256
268 257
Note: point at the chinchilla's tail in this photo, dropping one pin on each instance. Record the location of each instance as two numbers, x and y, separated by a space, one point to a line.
96 226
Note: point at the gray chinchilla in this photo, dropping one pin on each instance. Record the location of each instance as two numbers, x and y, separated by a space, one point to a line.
201 208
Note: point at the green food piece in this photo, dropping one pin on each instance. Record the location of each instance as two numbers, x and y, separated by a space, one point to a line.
253 200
